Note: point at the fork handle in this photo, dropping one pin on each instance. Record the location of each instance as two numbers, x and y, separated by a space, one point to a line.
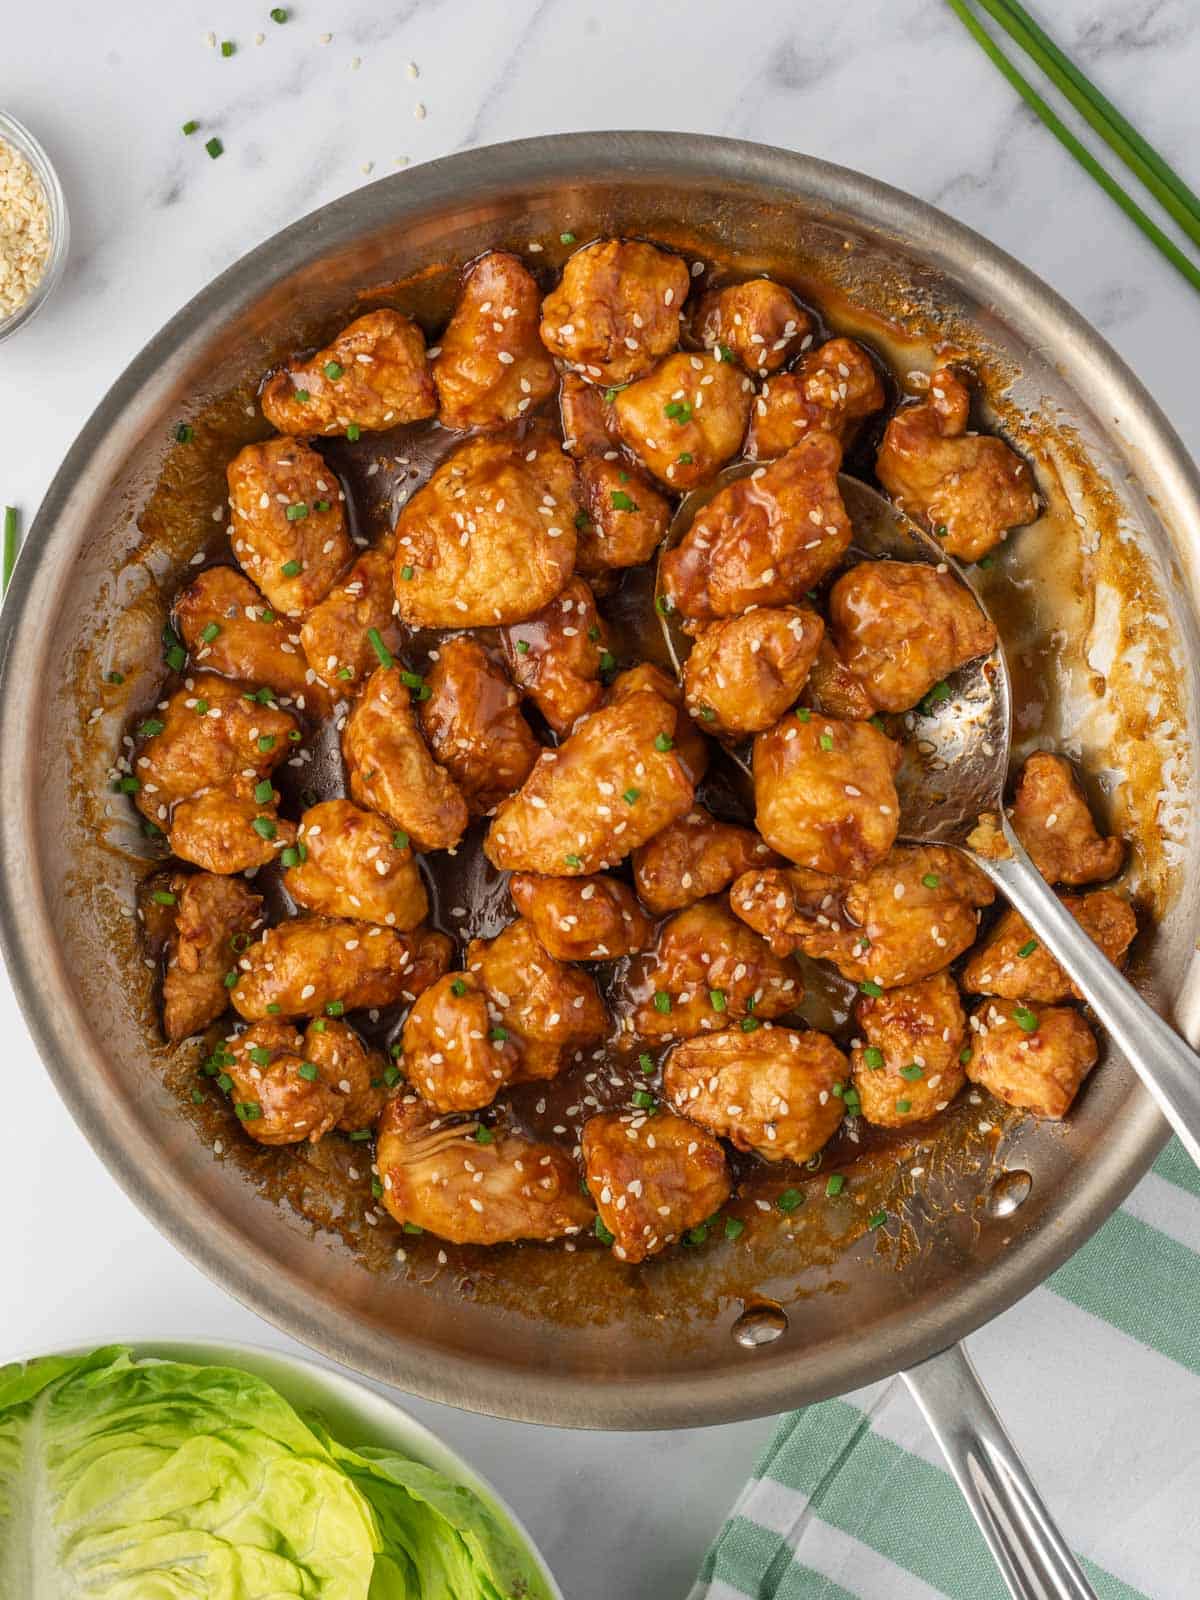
1168 1067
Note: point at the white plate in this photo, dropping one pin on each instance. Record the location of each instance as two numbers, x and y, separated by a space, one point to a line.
355 1414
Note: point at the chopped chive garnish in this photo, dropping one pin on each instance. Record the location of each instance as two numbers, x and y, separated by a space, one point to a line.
631 796
964 1055
163 897
360 1135
278 14
804 714
724 353
391 1076
646 1062
1027 948
663 742
566 238
931 880
826 741
602 1232
201 708
296 513
406 573
248 1110
302 395
869 986
582 520
318 1025
790 1200
716 998
215 148
264 792
873 1058
353 432
291 569
333 370
413 1227
210 631
940 530
684 459
264 827
679 410
707 714
400 840
458 987
573 861
128 785
197 1098
149 728
266 742
903 1107
834 1184
410 680
190 126
498 1035
483 1135
260 1055
380 649
663 605
643 1099
939 692
621 501
662 1001
1024 1018
734 1227
912 1072
184 433
230 979
290 857
224 1082
335 1008
608 661
227 48
750 1024
523 647
877 1219
109 677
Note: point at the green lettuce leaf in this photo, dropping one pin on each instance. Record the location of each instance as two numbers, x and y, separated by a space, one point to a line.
441 1541
163 1481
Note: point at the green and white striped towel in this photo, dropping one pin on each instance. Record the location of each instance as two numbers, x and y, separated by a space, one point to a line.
1097 1377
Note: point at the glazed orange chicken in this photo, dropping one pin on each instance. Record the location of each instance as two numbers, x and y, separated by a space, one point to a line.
454 850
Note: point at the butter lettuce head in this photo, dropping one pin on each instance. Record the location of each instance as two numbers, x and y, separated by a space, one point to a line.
127 1480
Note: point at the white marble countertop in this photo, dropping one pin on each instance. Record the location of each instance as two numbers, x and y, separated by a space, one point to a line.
893 87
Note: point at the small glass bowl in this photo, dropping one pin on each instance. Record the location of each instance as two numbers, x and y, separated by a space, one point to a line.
13 133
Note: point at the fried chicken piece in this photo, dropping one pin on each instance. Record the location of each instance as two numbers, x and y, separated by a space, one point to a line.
336 634
289 523
589 423
624 519
490 539
690 744
582 919
911 916
550 1009
908 1063
474 725
969 489
770 1091
824 793
554 657
1032 1059
276 1096
764 540
611 786
831 391
687 419
213 919
901 627
229 629
694 858
351 863
374 375
302 967
832 689
707 971
1051 818
453 1056
651 1179
1012 963
616 309
743 673
207 734
491 367
353 1070
436 1176
759 322
391 771
232 828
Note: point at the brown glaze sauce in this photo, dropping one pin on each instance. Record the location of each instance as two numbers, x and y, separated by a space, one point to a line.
930 1180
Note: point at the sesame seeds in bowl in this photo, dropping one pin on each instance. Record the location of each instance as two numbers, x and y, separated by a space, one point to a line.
34 227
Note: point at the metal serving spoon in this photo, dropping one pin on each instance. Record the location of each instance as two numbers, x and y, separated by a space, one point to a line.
951 783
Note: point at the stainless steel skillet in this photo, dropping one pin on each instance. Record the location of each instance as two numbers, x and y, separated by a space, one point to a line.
661 1355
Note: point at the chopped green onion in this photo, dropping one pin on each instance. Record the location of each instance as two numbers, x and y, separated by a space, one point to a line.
360 1135
483 1135
302 395
333 370
260 1055
939 692
523 647
663 742
215 148
643 1100
790 1200
248 1110
877 1219
380 649
646 1062
266 742
498 1035
750 1024
903 1107
582 520
964 1055
201 708
190 126
230 979
184 433
834 1184
353 433
128 785
413 1227
1024 1018
264 792
296 513
278 14
873 1058
912 1072
602 1232
566 238
684 459
804 714
664 605
621 501
109 677
869 986
227 48
608 661
411 680
197 1098
724 353
717 999
573 861
290 857
1027 949
826 741
679 410
406 573
631 796
150 728
264 827
210 631
458 987
734 1227
391 1076
931 880
224 1082
163 897
291 569
335 1008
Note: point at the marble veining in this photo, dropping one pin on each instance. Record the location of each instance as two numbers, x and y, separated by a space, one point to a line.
893 87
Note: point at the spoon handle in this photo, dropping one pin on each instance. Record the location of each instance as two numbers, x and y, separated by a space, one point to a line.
1168 1067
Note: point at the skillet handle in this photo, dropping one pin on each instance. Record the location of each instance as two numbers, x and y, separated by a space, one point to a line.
1034 1559
1167 1066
